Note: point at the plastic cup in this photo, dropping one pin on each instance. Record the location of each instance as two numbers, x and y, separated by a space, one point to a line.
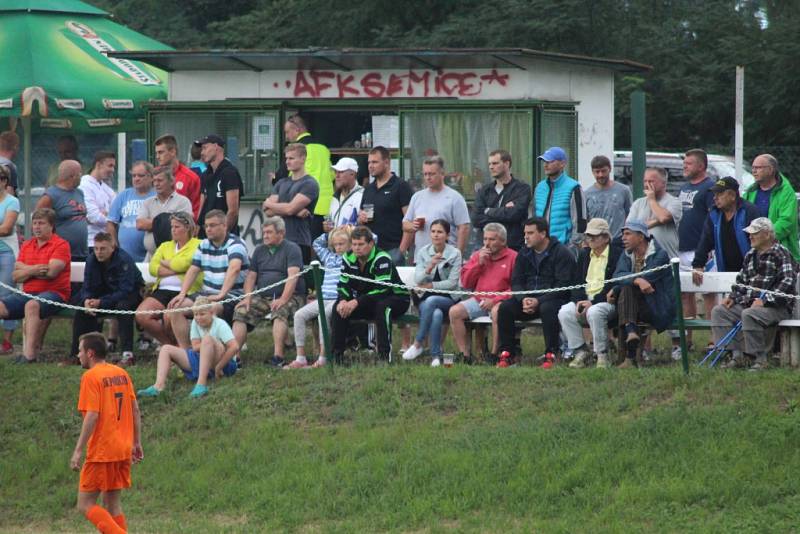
369 209
421 222
447 360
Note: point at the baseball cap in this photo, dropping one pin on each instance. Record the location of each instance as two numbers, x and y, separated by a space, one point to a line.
637 226
554 153
727 183
597 226
759 225
346 164
210 138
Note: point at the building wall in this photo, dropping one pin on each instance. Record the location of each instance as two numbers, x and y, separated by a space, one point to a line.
592 89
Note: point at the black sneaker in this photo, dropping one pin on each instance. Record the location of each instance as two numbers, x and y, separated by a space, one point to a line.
277 362
22 360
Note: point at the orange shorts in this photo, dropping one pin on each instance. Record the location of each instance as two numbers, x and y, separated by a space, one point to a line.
105 476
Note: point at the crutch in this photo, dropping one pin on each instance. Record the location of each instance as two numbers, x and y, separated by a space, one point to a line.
719 348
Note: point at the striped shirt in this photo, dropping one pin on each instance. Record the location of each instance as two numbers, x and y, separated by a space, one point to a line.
333 267
213 261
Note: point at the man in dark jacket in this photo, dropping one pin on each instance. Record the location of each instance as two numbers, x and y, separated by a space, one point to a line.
723 231
111 281
588 306
360 299
544 263
505 201
648 298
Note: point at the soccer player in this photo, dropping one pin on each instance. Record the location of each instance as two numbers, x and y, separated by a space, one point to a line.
112 429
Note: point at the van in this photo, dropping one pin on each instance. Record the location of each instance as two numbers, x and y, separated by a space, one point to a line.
719 166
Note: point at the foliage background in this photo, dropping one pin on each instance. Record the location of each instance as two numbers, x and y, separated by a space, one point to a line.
693 47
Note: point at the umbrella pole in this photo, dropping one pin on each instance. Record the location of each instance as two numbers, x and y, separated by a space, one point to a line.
26 125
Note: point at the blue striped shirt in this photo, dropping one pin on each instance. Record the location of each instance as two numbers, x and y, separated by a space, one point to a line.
213 261
333 266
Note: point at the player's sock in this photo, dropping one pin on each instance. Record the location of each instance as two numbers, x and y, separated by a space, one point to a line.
103 520
120 520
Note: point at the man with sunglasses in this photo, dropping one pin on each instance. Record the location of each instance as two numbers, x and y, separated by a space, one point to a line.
121 224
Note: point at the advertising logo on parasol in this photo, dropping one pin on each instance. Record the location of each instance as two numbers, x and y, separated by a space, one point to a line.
128 68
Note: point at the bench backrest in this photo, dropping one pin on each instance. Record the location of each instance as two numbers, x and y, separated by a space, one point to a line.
77 268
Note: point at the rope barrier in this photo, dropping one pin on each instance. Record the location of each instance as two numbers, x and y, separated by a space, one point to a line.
233 298
501 293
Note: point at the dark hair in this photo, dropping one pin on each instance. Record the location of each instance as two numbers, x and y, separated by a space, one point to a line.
103 236
383 151
168 140
5 173
444 224
95 341
195 151
505 155
598 162
540 223
103 155
361 232
699 154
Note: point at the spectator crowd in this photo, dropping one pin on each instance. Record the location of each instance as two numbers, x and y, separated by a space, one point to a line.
536 243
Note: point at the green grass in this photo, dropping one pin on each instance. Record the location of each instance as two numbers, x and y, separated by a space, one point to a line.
408 448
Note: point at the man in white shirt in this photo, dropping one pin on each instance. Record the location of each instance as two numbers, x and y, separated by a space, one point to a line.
346 202
97 194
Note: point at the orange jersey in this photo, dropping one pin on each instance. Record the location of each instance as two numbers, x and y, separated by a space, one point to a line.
108 390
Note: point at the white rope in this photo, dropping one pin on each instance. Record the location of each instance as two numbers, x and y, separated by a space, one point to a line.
768 291
233 298
501 293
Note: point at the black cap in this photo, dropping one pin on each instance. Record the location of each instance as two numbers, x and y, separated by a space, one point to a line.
210 138
727 183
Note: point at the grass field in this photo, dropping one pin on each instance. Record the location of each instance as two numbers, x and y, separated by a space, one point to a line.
408 448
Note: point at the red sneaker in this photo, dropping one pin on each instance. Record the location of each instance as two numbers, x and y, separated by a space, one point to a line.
549 361
505 360
6 348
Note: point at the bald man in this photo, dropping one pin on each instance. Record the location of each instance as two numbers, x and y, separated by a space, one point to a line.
67 201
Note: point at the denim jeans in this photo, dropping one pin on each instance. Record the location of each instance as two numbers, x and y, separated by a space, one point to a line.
432 312
7 261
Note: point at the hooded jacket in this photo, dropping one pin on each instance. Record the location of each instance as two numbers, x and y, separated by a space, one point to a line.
710 238
661 302
556 269
782 213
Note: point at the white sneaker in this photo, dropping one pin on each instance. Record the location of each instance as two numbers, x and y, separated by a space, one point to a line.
436 362
579 361
602 361
412 352
676 353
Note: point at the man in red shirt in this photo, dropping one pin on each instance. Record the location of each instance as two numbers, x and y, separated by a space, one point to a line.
43 269
187 183
111 434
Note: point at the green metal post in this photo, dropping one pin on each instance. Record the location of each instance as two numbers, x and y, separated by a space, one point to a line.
323 321
676 283
638 142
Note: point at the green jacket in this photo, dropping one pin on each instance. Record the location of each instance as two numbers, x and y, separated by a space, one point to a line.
782 213
318 165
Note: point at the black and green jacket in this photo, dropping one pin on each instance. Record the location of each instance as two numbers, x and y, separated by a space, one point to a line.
379 267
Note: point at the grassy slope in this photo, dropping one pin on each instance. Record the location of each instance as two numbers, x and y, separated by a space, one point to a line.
410 448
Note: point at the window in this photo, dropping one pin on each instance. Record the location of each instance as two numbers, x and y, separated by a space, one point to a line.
559 128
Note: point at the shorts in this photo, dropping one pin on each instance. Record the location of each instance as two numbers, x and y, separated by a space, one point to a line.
260 308
687 257
474 309
227 308
105 476
15 304
194 362
162 295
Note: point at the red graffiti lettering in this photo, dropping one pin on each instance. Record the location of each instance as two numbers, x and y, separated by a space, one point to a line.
395 85
372 85
447 83
343 84
494 76
318 76
467 87
302 87
413 78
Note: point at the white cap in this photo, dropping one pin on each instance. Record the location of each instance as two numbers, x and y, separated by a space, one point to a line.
346 164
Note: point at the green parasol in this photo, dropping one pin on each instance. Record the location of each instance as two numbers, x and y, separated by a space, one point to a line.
57 72
57 77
